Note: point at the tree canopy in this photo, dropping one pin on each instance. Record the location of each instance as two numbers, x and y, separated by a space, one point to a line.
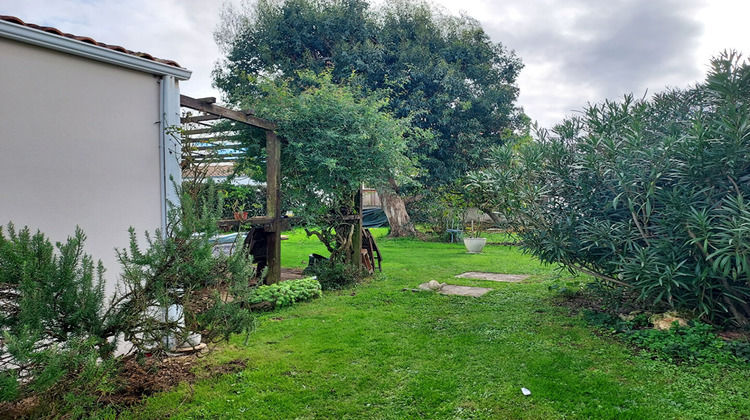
441 70
334 140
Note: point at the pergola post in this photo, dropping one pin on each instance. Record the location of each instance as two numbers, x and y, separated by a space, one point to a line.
357 236
273 206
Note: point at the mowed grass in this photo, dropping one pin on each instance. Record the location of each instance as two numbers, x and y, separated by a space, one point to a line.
377 352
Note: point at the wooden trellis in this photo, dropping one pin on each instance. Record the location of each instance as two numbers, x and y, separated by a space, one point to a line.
209 114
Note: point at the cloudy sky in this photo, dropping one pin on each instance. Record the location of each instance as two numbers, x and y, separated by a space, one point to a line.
574 51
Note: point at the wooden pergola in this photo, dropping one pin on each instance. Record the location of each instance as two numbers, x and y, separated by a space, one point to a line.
271 221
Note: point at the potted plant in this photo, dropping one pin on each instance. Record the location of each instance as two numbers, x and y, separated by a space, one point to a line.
473 242
239 211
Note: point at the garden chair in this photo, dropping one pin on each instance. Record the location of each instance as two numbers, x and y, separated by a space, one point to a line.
456 229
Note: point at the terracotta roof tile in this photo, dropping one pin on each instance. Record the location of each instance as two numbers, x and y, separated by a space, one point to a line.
51 30
55 31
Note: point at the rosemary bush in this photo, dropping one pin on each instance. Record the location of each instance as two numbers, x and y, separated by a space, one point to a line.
51 317
179 267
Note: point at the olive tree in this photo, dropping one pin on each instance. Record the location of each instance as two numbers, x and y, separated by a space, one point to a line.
334 140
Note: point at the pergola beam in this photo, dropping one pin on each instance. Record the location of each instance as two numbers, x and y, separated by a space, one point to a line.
210 108
199 118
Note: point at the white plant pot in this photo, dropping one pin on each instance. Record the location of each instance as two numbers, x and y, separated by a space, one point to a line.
194 339
474 245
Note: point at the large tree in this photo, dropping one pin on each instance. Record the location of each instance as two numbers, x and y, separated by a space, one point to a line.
443 71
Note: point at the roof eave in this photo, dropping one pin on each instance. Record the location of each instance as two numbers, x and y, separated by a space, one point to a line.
93 52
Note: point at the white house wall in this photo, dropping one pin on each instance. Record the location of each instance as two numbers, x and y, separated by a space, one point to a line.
79 145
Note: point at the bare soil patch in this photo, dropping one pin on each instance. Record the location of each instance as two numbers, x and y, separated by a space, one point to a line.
292 274
138 379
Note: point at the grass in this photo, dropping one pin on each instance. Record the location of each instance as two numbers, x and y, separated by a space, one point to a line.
378 352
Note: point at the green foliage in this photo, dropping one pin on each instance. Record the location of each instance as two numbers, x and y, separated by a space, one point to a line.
692 344
696 343
333 275
741 349
228 197
287 292
251 198
335 141
648 195
54 295
176 266
51 319
57 335
614 323
438 209
444 71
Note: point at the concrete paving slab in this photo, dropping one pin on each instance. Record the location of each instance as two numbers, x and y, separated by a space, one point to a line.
507 278
450 289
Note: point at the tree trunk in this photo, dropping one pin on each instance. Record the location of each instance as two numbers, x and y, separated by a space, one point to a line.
395 210
495 218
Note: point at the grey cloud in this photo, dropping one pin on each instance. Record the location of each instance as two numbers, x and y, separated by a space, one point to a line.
635 45
609 47
575 51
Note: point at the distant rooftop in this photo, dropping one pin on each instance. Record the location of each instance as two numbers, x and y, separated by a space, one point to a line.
87 40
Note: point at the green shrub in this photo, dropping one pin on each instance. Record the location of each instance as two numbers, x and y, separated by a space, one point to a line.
614 323
695 343
177 265
57 335
741 349
288 292
251 199
52 318
646 195
334 275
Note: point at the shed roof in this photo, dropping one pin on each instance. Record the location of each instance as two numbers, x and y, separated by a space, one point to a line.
87 40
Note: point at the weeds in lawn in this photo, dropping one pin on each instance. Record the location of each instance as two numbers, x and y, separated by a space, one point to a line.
696 343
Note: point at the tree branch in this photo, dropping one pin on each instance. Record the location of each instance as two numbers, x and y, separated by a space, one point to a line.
599 276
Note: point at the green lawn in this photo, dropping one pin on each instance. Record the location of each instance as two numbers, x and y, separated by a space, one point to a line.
377 352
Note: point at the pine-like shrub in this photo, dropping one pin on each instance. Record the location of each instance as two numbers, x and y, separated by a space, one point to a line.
58 335
178 267
54 333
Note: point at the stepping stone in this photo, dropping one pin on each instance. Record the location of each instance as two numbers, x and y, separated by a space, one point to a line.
450 289
507 278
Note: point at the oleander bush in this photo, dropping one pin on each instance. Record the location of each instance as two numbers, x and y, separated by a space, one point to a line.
647 195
